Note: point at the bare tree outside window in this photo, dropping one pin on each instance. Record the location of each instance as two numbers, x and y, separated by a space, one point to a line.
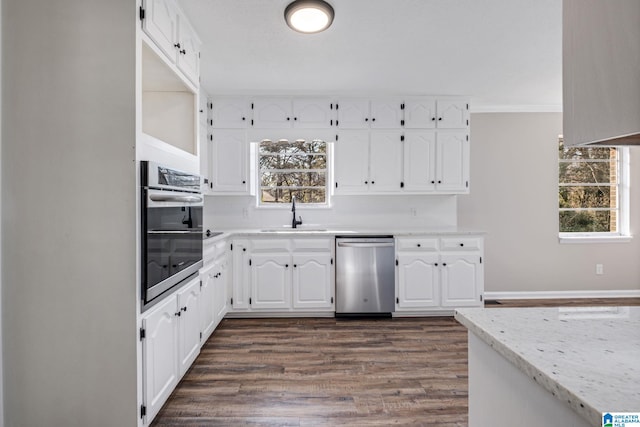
588 189
293 168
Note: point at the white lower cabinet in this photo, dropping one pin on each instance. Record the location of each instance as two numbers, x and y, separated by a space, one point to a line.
170 342
283 275
439 274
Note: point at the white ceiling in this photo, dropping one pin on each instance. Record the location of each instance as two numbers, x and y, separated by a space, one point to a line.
505 54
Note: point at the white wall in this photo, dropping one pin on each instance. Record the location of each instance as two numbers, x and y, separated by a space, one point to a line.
1 353
68 213
376 212
514 198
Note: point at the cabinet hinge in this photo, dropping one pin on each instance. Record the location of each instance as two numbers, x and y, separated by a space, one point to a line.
402 106
231 300
467 137
211 137
231 247
467 122
481 298
396 262
141 13
249 262
211 106
480 260
402 185
336 105
143 334
251 122
336 185
401 137
200 335
331 122
252 105
336 135
331 300
467 106
331 261
401 122
143 411
467 184
211 122
331 106
397 300
211 185
249 301
336 122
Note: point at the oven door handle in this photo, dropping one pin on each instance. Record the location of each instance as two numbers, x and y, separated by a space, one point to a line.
174 232
156 197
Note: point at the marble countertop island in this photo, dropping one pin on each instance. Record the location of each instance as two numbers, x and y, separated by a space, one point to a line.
587 357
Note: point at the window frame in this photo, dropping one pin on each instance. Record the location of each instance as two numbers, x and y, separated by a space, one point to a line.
257 136
623 193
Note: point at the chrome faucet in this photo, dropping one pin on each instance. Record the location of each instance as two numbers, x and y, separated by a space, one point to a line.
294 222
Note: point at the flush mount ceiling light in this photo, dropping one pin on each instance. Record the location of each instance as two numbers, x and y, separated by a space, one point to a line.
309 16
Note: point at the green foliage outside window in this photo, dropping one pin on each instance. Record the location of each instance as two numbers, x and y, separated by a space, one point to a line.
588 189
293 168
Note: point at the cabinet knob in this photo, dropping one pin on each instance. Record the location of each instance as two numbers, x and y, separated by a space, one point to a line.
366 119
418 244
244 249
288 118
295 265
184 308
439 182
184 52
436 264
433 182
373 120
461 244
373 182
244 118
177 45
295 118
433 119
444 264
366 182
244 182
286 265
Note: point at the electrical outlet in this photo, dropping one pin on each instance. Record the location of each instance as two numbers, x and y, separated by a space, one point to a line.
599 269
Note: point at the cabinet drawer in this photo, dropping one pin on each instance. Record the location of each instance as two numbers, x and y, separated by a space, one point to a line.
461 244
262 245
315 245
417 244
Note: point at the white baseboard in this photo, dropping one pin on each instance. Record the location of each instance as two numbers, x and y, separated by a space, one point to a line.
562 294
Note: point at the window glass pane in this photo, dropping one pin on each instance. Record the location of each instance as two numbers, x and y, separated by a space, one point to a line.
585 153
283 195
293 179
587 172
293 161
587 197
588 221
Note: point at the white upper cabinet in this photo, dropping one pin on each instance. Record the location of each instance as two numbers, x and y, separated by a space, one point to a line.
365 114
229 162
351 162
385 161
420 113
452 164
452 114
284 113
419 160
188 50
171 31
230 113
161 24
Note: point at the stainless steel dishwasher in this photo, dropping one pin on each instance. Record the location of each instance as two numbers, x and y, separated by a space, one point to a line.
365 276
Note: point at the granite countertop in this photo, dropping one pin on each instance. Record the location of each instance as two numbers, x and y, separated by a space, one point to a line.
588 357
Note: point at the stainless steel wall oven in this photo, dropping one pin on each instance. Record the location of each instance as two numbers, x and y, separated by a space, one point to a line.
171 238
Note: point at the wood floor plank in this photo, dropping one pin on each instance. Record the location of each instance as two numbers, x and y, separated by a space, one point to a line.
332 372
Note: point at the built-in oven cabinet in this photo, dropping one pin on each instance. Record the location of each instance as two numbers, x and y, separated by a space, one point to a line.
436 274
283 275
170 334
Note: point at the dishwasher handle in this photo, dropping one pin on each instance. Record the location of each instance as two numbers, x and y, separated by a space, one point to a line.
365 245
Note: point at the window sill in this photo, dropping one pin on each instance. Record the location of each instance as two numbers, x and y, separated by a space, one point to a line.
593 239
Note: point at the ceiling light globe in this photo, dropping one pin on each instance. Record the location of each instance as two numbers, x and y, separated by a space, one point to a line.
309 16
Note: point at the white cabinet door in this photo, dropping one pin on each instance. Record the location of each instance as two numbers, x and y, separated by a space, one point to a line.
418 281
272 113
353 114
385 167
160 354
420 114
240 264
453 114
386 114
461 280
230 113
161 25
312 113
352 162
452 167
188 51
206 301
419 160
229 162
189 325
220 293
270 281
312 281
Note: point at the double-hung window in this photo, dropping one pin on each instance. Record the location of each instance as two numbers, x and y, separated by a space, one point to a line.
593 192
290 168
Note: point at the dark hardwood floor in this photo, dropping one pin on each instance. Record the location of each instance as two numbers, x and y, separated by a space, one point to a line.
332 372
